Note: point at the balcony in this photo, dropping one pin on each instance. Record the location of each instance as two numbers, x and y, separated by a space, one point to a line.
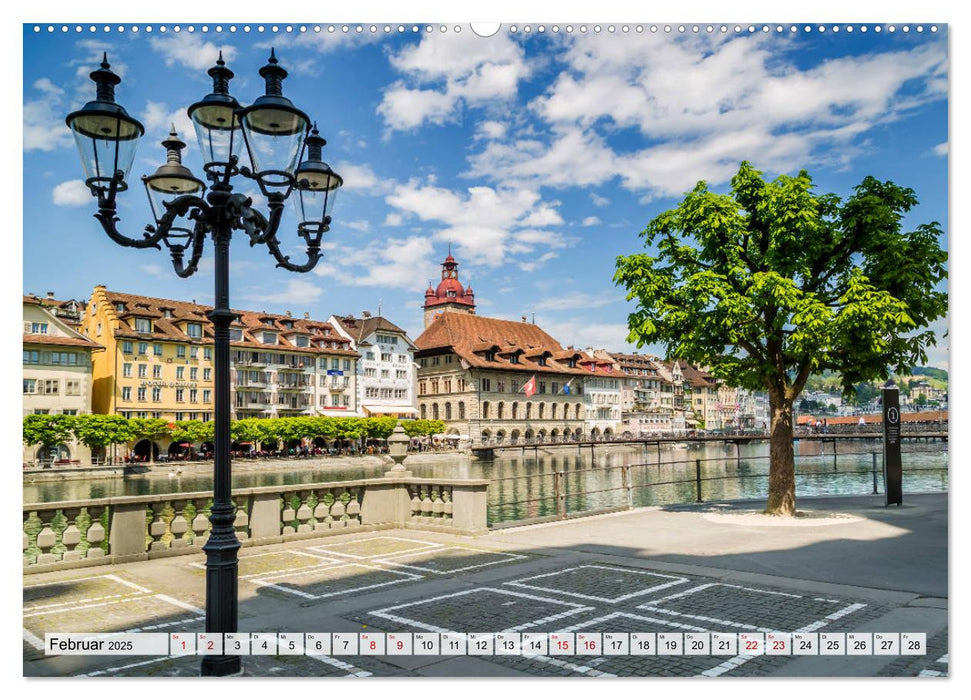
295 386
249 360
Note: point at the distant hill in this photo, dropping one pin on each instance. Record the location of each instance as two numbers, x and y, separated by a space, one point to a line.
932 372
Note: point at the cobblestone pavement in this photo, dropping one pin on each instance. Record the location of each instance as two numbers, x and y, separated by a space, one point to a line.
403 581
601 597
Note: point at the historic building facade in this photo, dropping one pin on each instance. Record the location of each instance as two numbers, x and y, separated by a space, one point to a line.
57 374
158 361
386 374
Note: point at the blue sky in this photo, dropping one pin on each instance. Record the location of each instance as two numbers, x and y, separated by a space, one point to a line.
539 157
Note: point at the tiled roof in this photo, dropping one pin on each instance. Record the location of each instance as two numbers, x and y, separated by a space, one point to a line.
252 323
40 339
361 328
472 337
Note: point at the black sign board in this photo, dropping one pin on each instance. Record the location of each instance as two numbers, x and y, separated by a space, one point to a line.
892 467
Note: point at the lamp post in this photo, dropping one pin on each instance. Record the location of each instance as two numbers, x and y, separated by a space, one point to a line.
273 133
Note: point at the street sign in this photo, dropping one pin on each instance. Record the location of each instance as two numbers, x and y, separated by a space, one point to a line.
335 373
892 466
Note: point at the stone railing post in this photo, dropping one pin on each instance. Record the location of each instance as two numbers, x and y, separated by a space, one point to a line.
128 532
469 506
265 520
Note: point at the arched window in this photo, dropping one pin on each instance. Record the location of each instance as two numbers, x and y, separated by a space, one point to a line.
576 413
448 411
529 410
434 411
553 411
542 410
461 410
424 412
485 409
515 410
500 407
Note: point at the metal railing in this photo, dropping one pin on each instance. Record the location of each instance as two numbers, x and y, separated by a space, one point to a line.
560 493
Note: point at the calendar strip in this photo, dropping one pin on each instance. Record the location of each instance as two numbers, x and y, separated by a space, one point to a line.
585 643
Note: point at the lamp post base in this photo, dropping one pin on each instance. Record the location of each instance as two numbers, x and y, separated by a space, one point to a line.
221 666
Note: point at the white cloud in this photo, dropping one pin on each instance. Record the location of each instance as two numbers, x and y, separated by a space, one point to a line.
44 127
483 223
158 120
360 177
591 221
191 50
598 201
941 149
298 292
584 334
575 300
358 224
393 220
400 263
445 71
704 104
72 193
491 130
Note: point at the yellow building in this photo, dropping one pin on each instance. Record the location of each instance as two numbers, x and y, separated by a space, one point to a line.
158 359
159 363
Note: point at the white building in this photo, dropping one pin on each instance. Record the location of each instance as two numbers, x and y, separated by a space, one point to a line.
386 371
56 374
603 396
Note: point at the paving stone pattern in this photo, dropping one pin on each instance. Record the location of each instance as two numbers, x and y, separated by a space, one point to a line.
588 587
590 596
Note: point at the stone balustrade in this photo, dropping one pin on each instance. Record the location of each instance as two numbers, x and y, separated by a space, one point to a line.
70 534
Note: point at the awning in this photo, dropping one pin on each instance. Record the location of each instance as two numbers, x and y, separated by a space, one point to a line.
386 410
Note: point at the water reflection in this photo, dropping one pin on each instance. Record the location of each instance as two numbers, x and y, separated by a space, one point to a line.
523 487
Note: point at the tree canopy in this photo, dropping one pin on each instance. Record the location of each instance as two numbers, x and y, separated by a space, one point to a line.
772 282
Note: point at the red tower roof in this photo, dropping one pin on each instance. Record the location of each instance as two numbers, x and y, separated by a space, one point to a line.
449 290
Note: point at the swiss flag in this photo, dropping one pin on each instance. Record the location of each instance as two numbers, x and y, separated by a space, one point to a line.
530 387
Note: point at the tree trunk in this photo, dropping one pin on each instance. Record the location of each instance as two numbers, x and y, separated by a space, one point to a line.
782 466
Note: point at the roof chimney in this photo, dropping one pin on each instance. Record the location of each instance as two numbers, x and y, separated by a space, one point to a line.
306 315
289 315
524 318
50 295
366 314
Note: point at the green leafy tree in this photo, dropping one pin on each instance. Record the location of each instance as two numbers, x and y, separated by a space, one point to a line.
773 282
99 431
191 431
149 429
48 430
415 428
380 426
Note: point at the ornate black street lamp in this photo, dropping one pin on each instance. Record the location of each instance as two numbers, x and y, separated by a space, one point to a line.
274 133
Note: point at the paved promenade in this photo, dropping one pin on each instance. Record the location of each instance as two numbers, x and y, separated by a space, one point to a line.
850 565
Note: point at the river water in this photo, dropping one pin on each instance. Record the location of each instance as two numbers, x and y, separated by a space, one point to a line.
523 483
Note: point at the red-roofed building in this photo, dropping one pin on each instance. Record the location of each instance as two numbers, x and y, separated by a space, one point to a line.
472 370
159 363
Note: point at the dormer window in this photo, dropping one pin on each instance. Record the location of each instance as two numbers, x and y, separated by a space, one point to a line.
541 361
571 362
167 313
288 325
490 355
193 330
235 334
301 341
269 338
514 358
120 306
143 325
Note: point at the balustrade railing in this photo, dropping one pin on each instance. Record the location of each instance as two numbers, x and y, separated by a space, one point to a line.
67 534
